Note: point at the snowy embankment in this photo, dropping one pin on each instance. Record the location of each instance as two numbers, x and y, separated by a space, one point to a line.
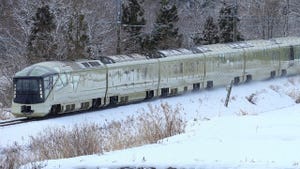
259 129
269 140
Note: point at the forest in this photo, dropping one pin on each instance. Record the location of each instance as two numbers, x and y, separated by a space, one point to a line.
32 31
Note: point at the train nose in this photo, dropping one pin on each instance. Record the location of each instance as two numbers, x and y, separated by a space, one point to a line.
26 109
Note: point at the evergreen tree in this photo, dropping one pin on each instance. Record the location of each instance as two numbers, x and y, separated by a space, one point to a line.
165 35
133 21
41 44
210 33
165 32
228 22
77 37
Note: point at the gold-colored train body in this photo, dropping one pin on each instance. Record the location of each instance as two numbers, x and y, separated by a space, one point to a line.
63 87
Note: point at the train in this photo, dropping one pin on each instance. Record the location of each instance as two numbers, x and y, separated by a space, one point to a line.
57 87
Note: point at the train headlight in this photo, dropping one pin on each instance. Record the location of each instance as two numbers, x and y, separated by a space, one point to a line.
41 91
15 91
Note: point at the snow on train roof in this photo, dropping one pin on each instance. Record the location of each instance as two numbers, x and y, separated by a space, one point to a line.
40 69
55 67
46 68
230 47
289 40
122 58
250 45
174 52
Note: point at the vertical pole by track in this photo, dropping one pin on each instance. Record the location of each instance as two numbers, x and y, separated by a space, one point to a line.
228 93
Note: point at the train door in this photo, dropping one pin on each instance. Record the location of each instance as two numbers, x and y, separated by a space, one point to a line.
194 72
213 73
290 61
171 73
224 67
274 55
258 63
296 57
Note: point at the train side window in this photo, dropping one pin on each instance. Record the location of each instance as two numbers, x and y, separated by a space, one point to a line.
62 81
292 53
59 84
48 84
137 74
75 81
178 68
222 58
145 72
181 68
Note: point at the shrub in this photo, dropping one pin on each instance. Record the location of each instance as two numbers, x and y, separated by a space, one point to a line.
63 143
161 122
13 157
85 139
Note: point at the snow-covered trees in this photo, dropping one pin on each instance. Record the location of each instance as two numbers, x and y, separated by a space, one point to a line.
37 30
165 34
209 35
41 45
46 37
133 22
77 37
228 24
226 30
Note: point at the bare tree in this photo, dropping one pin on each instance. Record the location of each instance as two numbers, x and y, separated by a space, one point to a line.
264 17
11 50
102 27
293 13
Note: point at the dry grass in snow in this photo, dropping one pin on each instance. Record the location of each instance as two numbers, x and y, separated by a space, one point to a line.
151 126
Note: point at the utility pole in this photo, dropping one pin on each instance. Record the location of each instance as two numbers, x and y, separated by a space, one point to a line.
286 19
119 25
234 24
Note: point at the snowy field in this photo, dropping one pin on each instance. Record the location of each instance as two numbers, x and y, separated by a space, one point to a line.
259 129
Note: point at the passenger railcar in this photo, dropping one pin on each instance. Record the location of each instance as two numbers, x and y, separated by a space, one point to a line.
62 87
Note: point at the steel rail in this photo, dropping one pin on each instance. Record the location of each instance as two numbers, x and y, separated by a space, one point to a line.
10 122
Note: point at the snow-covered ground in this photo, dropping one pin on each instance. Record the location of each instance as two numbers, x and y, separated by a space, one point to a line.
269 140
259 129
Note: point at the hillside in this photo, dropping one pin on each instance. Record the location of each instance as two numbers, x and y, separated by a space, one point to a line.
23 42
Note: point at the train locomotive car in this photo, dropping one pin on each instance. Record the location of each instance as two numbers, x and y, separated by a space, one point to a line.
63 87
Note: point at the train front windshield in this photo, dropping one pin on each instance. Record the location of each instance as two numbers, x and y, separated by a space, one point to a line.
28 90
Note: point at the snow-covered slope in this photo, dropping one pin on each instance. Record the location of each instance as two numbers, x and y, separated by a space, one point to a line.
259 129
269 140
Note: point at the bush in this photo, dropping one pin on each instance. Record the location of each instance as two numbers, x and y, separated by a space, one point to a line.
85 139
13 157
161 122
63 143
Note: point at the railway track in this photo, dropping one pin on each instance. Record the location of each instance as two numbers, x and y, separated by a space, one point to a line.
20 120
15 121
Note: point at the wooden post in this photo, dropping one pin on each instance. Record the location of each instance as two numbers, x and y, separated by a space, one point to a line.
119 25
228 93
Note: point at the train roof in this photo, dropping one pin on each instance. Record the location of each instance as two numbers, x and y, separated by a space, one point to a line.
54 67
40 69
231 47
122 58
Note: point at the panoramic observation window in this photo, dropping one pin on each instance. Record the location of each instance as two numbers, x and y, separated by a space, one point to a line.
94 64
28 91
85 64
48 85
